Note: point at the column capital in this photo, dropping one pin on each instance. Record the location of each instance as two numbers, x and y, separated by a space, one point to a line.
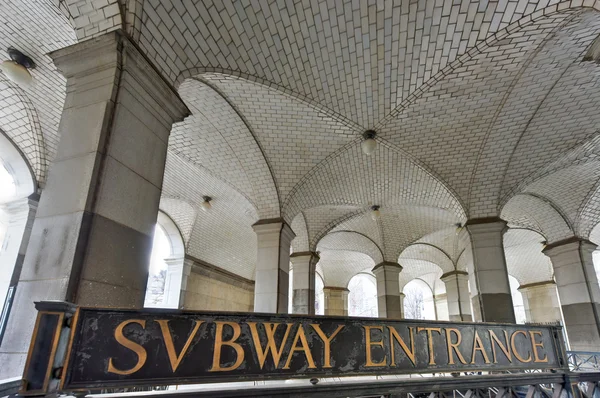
271 225
387 266
568 244
114 51
310 254
537 284
486 224
455 273
336 288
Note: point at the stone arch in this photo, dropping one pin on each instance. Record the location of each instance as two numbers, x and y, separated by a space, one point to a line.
351 241
218 137
427 252
528 210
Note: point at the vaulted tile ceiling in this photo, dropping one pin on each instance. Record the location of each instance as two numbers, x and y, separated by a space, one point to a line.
482 109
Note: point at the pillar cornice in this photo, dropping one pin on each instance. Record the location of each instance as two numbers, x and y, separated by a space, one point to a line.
536 284
336 288
486 225
115 51
388 265
568 244
305 254
454 273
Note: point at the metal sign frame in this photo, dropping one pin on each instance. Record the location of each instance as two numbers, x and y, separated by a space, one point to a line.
76 348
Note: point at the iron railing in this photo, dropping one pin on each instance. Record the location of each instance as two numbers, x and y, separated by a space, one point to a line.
584 361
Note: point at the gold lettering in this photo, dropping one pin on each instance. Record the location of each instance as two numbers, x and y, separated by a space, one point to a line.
535 345
300 335
504 347
166 332
326 342
514 349
135 347
370 343
409 353
219 343
454 346
271 345
430 341
478 346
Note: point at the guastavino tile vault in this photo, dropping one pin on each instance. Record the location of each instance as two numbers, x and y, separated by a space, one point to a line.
422 160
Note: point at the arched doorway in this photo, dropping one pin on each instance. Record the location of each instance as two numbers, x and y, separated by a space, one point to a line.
362 296
418 300
167 274
17 211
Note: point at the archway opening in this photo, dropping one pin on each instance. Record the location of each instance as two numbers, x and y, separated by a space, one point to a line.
517 299
418 300
319 295
166 277
362 296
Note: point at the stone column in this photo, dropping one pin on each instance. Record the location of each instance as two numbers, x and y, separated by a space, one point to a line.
389 304
336 300
492 300
272 266
21 214
457 295
93 232
304 265
578 290
176 282
541 302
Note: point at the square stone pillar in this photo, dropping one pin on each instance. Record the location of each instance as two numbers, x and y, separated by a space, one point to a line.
389 304
402 297
304 265
274 238
541 302
457 296
336 300
578 290
491 296
92 235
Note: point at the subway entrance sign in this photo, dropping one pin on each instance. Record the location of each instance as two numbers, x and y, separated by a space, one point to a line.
89 348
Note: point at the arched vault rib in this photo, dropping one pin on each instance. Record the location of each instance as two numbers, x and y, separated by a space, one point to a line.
351 241
217 137
389 177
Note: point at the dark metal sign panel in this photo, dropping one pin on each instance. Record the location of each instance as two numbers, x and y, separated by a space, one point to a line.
125 348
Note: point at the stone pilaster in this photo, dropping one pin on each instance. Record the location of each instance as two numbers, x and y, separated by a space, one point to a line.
336 300
441 307
304 265
578 290
92 235
541 302
389 304
272 266
491 297
457 295
175 282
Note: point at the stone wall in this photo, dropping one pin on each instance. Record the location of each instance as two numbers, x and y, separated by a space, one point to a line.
211 288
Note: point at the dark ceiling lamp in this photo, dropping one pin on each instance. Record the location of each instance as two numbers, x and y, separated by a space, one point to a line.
375 213
17 69
369 144
206 204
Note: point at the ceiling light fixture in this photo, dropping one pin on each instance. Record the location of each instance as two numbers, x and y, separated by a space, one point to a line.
369 144
206 204
375 213
459 227
16 70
